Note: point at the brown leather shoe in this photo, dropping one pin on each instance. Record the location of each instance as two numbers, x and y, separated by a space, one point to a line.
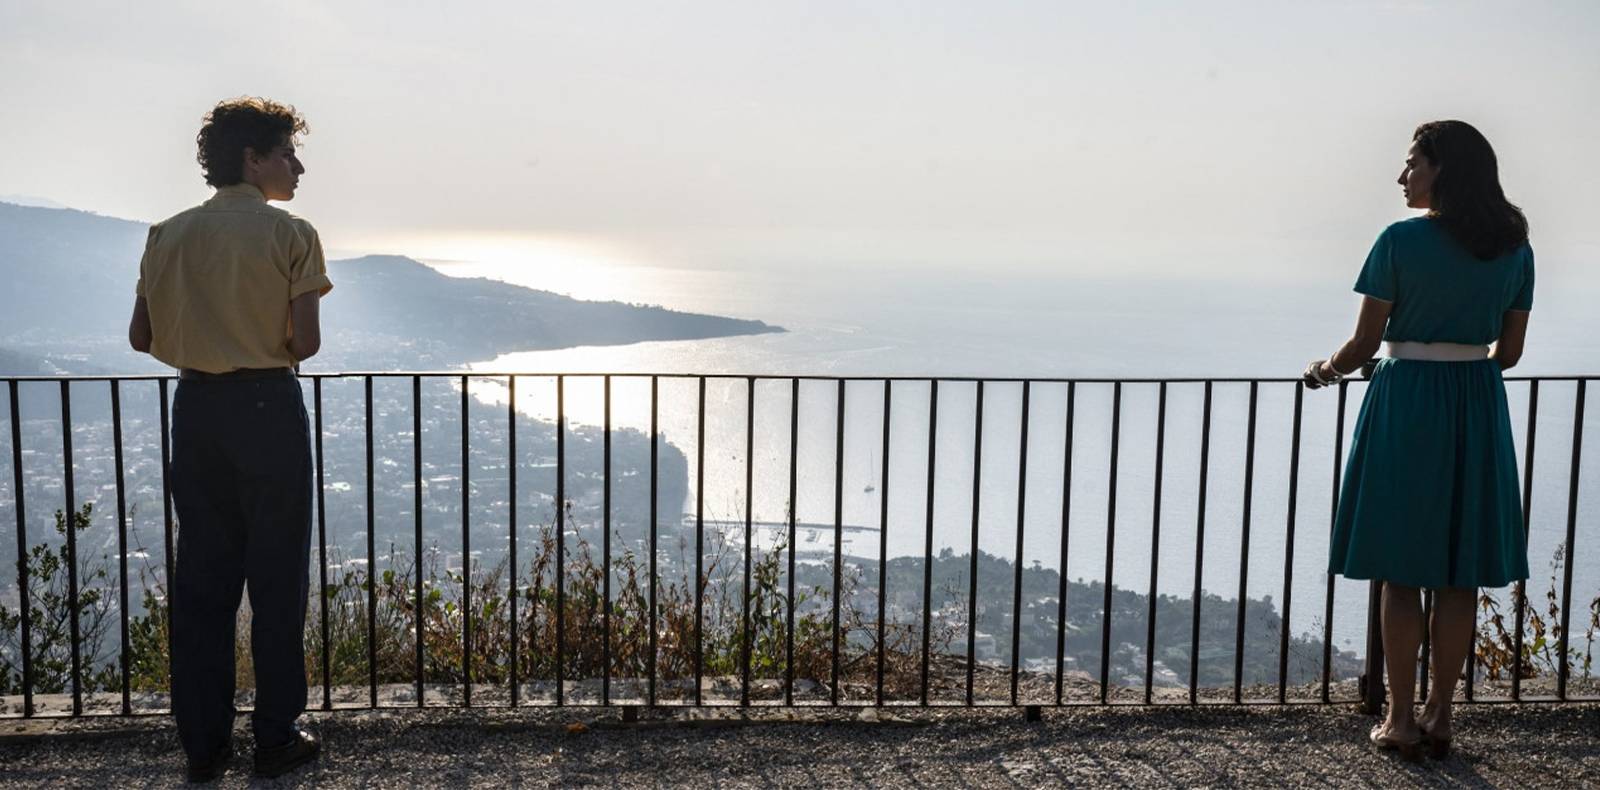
302 748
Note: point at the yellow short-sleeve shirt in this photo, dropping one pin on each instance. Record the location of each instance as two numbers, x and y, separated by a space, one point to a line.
218 278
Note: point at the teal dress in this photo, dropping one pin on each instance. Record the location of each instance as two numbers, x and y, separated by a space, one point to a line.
1430 495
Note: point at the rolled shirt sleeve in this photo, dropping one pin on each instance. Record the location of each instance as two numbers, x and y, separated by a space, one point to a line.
308 270
144 260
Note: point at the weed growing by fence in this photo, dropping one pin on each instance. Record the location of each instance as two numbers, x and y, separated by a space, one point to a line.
587 617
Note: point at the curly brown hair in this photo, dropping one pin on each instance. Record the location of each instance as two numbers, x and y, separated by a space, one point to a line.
236 124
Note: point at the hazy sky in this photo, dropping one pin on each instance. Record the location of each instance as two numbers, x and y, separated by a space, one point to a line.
786 133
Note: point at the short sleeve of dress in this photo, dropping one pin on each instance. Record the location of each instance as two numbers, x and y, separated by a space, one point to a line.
1377 278
1524 298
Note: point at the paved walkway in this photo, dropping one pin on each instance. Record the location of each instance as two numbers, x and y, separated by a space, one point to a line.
1499 746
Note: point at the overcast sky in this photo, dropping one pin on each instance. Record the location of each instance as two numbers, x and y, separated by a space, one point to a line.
769 133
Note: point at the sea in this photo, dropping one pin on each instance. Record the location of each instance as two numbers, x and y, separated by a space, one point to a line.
1133 493
1116 492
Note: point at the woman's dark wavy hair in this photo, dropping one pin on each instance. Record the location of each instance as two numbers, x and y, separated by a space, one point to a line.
236 124
1466 197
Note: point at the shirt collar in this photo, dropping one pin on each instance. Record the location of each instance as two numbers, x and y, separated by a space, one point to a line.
241 190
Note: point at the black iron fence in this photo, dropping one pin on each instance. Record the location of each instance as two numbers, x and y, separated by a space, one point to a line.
770 640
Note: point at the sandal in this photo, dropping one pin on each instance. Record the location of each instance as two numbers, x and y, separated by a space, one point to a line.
1410 751
1438 748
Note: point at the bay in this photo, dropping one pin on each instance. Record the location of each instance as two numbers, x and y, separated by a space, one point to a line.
869 323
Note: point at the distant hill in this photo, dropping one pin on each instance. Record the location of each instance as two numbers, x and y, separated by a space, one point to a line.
380 301
16 363
70 274
43 399
30 200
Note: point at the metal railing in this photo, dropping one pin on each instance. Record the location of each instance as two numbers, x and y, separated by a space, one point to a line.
894 390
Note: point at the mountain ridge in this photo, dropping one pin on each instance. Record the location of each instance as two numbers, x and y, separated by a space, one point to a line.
386 311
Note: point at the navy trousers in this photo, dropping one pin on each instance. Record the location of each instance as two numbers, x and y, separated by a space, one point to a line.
241 483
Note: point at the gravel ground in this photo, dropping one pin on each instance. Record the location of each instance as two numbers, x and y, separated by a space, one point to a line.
1298 746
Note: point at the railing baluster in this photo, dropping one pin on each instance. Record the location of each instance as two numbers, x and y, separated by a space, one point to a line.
466 550
536 589
416 488
1568 556
1373 677
1427 649
122 546
372 557
72 548
1288 546
1155 545
883 533
605 552
1016 581
372 561
699 544
655 439
1111 540
838 540
511 532
22 553
1527 528
1472 656
1333 517
561 540
794 506
749 524
1244 547
927 551
322 549
1472 653
972 557
166 510
1199 549
1066 532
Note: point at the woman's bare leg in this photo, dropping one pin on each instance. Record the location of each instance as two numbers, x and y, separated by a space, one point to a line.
1450 631
1402 636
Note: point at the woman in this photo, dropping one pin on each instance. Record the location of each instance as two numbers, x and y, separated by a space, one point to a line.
1430 497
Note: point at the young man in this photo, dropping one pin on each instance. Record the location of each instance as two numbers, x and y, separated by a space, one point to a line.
228 294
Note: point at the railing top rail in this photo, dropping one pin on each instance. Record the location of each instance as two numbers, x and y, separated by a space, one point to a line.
755 376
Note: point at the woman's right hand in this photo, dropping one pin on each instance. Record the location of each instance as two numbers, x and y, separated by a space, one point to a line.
1314 377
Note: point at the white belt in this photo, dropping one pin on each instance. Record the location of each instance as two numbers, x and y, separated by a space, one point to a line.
1437 352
